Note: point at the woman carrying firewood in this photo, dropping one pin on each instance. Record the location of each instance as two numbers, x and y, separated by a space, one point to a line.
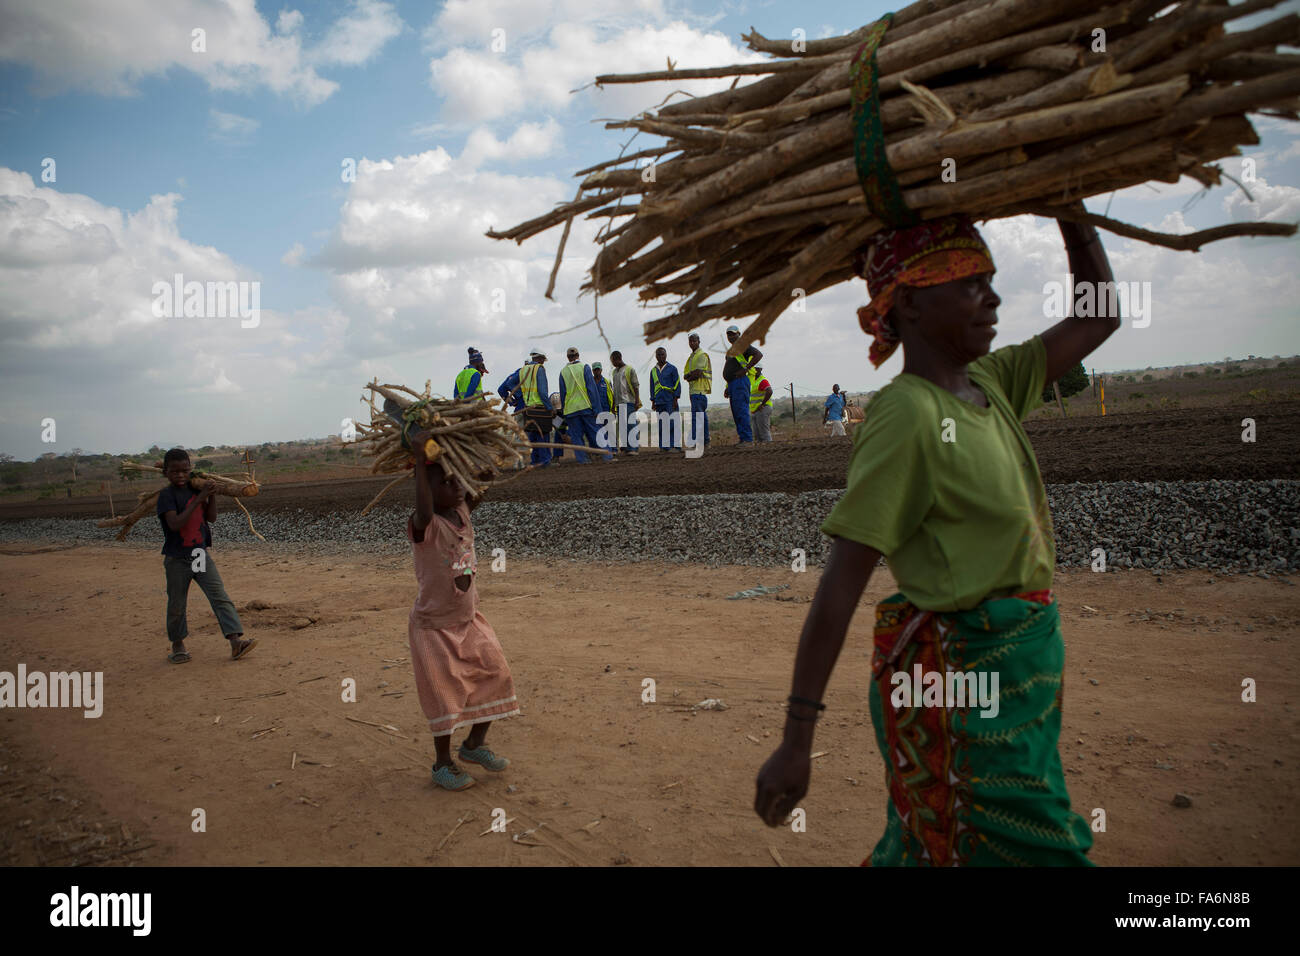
461 674
944 484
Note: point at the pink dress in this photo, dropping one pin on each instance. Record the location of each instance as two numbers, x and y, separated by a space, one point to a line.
461 673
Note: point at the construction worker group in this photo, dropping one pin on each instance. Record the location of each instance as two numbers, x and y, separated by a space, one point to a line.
594 412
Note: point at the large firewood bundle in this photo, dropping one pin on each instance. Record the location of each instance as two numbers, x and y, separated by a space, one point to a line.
231 486
992 108
475 440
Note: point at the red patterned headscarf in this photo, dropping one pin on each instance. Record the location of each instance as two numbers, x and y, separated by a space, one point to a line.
932 253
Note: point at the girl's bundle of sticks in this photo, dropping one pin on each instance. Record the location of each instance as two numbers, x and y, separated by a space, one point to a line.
992 108
474 439
240 486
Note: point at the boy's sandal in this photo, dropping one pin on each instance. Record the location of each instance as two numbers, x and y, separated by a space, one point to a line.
178 657
243 647
449 777
484 758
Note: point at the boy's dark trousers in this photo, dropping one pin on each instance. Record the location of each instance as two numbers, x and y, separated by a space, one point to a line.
179 574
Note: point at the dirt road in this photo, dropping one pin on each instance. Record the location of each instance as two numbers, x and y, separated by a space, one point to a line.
1152 708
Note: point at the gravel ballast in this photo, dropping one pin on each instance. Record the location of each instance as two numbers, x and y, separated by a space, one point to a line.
1240 526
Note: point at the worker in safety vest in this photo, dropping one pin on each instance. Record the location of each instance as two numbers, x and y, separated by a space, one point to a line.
736 374
760 404
469 383
605 401
578 405
665 392
525 389
627 400
699 372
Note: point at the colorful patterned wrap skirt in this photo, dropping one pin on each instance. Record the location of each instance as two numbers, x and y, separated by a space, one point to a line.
967 789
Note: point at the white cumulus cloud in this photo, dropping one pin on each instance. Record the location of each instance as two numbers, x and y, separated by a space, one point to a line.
110 48
479 85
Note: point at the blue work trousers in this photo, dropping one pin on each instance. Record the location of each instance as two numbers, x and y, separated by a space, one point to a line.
628 439
670 426
699 406
582 432
738 391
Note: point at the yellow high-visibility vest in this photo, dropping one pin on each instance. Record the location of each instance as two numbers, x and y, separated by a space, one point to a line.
576 398
655 387
755 396
528 385
626 371
463 379
699 361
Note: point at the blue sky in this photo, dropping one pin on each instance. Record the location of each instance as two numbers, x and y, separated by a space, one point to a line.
225 165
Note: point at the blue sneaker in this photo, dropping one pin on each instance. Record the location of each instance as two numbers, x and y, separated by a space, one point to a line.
484 758
451 777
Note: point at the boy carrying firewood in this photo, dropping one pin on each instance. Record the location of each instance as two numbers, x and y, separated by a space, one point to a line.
184 515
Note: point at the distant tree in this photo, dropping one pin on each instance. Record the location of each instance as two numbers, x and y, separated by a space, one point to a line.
203 463
75 454
1148 378
1071 383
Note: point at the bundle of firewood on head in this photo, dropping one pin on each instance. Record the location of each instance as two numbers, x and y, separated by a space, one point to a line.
232 486
767 192
474 440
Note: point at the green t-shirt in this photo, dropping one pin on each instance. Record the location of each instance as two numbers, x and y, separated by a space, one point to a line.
949 492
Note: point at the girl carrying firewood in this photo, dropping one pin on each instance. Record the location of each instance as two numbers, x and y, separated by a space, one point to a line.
461 674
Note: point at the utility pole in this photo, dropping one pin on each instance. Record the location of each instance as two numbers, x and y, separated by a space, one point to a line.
792 408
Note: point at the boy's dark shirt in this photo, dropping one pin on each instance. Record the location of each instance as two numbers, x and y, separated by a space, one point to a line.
731 368
194 534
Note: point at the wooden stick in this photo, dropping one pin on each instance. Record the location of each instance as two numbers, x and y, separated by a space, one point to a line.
1190 242
459 822
559 250
388 487
643 154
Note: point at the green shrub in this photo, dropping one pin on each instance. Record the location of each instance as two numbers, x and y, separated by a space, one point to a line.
1071 383
1148 378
